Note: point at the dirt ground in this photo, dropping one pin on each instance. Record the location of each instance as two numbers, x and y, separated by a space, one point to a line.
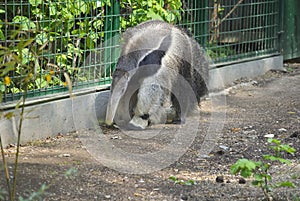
266 105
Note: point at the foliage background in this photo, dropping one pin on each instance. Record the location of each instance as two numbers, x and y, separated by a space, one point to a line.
67 39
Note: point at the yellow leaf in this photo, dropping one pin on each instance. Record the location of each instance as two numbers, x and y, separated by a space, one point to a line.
9 115
7 80
48 78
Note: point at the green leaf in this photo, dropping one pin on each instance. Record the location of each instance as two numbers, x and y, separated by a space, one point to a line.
256 183
52 9
83 7
78 7
246 173
36 195
190 182
276 158
93 36
264 167
2 11
16 90
89 43
41 83
70 172
98 24
285 161
173 178
244 166
285 184
26 56
41 38
37 12
170 17
35 2
9 66
25 23
258 177
2 87
272 140
61 59
24 43
287 148
152 15
270 157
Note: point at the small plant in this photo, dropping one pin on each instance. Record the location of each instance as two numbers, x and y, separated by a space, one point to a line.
38 195
189 182
12 61
216 51
259 170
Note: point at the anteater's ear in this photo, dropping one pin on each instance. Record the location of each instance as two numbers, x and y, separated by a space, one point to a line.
154 58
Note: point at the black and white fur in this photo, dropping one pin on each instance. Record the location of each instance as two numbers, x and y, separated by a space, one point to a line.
155 57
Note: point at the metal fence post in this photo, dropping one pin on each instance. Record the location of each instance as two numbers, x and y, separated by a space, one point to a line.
111 35
291 21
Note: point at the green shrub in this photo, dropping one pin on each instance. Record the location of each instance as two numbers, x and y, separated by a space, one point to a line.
64 34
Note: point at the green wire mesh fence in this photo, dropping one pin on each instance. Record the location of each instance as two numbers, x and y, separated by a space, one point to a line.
77 41
243 29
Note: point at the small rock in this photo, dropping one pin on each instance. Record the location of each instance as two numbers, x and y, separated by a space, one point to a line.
247 127
249 132
107 196
224 147
64 155
116 138
255 83
242 181
269 135
203 157
10 146
295 134
220 179
235 130
184 197
282 130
